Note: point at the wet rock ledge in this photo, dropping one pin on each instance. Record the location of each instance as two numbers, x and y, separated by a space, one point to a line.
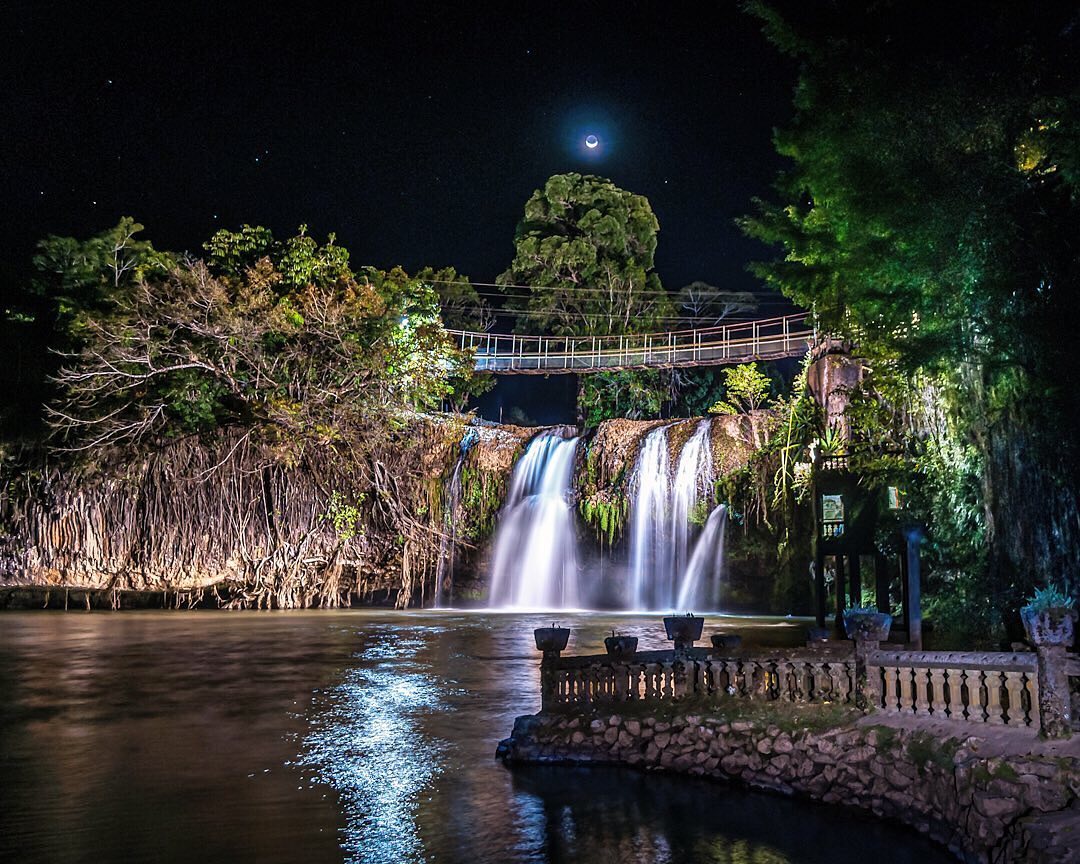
993 797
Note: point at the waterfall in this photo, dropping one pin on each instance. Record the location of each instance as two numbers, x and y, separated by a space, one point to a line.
651 561
661 511
693 483
444 579
704 576
535 558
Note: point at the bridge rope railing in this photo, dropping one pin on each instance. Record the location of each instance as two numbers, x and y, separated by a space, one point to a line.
740 342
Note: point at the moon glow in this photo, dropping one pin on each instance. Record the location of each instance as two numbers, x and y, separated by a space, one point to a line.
592 142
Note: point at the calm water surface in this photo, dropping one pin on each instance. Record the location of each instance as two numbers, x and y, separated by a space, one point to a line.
347 737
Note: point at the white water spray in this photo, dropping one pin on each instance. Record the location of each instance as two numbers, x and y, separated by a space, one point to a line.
651 561
662 507
702 583
534 564
693 483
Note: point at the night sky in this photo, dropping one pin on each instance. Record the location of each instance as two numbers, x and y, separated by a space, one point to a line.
414 132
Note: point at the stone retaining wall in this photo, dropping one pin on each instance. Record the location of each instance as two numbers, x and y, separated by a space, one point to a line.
983 807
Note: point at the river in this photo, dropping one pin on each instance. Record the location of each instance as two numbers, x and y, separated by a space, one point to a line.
353 736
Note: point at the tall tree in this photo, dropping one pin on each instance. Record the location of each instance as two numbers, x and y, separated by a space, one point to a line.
931 212
583 266
584 254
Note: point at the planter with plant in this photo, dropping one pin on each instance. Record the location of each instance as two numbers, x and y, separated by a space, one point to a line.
1048 617
867 624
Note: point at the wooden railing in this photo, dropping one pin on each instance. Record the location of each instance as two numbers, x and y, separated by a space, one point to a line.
996 688
668 676
767 339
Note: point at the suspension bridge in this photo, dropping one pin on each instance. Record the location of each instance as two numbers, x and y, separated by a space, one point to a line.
742 342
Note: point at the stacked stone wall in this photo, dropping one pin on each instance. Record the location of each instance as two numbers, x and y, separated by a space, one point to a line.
984 808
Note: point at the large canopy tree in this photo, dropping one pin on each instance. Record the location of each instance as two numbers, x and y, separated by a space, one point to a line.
583 266
931 212
584 252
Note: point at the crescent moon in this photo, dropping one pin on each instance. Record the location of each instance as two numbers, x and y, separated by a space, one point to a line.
592 142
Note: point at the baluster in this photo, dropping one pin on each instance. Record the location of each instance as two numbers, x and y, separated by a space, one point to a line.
976 712
1014 689
681 683
787 686
892 700
904 685
820 686
811 673
731 674
994 711
922 704
752 671
956 696
772 681
841 681
937 692
634 692
1032 690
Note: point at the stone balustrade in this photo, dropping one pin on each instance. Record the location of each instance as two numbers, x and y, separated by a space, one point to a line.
998 688
995 688
668 676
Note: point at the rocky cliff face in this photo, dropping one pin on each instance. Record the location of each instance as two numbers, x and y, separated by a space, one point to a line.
231 520
235 522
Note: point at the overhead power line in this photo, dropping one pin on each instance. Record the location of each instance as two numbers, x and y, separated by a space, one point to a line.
585 288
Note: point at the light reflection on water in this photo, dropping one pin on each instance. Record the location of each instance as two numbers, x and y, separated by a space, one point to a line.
366 744
355 736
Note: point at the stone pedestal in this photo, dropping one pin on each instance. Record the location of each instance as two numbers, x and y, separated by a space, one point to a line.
1055 714
1051 632
869 686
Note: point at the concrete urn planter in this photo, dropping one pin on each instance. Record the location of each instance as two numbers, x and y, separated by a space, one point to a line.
621 647
726 642
863 626
683 630
551 639
1049 627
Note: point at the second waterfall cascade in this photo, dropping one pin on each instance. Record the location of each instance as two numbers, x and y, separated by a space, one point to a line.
663 575
534 564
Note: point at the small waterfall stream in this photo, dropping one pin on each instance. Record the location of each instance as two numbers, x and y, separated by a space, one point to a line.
444 580
534 565
705 574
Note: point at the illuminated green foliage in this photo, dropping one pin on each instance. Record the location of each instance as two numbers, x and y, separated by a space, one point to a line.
343 515
746 389
929 213
282 338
